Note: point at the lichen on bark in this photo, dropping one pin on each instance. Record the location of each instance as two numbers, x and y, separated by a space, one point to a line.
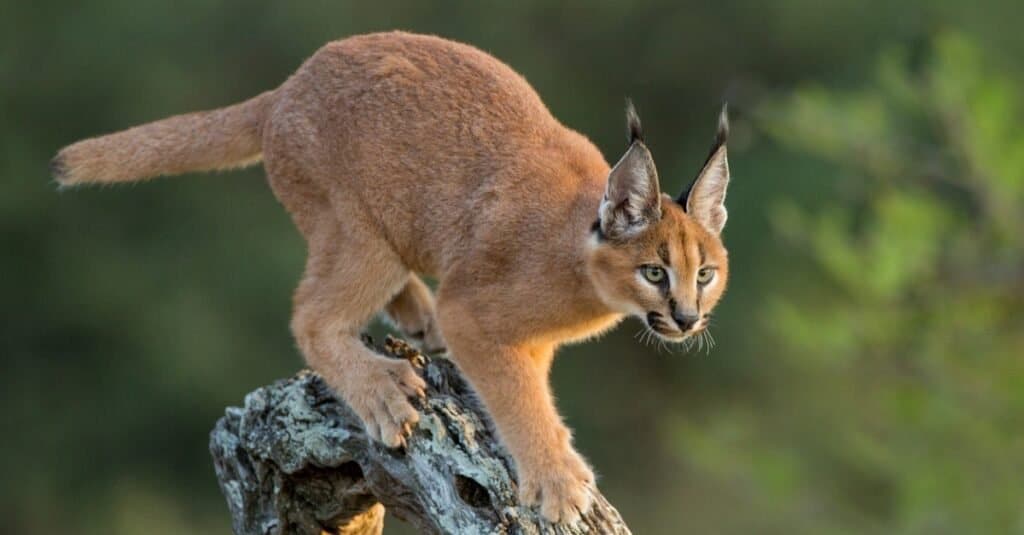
294 459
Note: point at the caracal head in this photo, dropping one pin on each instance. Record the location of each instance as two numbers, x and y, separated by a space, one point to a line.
658 258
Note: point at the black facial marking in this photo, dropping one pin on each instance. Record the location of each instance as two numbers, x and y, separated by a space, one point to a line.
663 253
700 287
658 323
665 286
596 228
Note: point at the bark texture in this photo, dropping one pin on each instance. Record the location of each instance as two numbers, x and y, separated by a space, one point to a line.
295 459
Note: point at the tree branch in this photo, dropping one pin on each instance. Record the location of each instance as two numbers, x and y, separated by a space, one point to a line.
295 459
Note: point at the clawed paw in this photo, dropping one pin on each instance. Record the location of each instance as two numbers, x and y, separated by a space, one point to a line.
381 399
561 488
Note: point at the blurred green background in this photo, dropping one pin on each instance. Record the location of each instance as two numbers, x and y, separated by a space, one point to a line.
869 370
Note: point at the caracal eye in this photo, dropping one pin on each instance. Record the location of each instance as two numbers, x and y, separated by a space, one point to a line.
654 274
704 275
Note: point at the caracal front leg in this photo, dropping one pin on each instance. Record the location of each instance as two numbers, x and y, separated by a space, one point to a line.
339 293
412 311
514 388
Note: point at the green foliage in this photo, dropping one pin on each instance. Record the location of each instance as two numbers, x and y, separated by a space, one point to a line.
913 331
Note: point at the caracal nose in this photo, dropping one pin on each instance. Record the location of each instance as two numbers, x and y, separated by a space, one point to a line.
684 320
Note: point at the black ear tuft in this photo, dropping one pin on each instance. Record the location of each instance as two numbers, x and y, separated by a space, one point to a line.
704 200
721 137
722 134
635 131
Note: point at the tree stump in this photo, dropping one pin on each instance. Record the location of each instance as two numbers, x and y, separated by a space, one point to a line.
296 460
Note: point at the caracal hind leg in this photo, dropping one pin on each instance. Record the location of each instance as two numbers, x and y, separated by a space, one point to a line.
349 277
513 384
412 312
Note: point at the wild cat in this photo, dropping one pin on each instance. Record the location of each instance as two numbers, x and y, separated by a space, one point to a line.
400 156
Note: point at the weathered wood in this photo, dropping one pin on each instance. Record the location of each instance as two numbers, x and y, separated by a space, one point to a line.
295 459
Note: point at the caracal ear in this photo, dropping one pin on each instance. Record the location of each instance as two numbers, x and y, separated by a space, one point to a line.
704 201
632 199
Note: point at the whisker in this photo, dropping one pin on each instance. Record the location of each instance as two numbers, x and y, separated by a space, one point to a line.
648 336
643 335
707 342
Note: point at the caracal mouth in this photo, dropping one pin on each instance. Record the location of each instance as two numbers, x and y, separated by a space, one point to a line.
665 331
675 337
668 332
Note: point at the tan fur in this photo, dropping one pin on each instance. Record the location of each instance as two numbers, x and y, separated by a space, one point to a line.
399 154
201 141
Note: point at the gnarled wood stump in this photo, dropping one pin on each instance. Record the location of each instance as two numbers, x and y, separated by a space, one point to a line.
295 459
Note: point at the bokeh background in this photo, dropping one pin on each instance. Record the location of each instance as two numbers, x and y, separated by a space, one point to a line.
869 369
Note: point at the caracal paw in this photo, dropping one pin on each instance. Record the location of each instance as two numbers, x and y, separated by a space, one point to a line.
381 400
561 487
